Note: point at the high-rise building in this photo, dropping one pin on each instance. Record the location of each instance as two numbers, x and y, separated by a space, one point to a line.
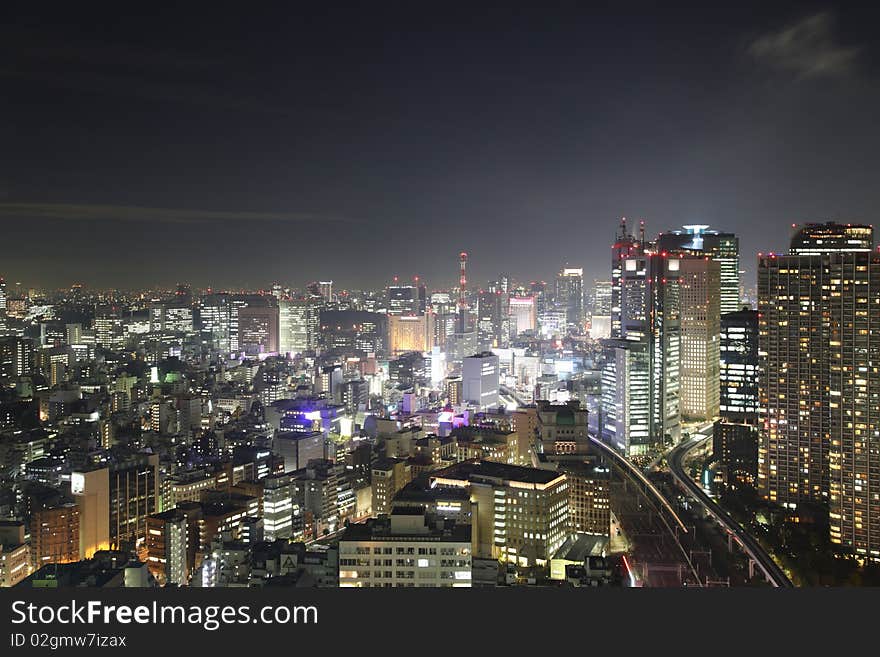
173 316
480 375
325 289
17 356
602 298
735 437
74 333
258 329
570 295
215 320
108 328
294 326
493 323
723 248
353 332
641 376
739 367
410 333
523 315
699 296
819 384
831 237
402 300
600 316
134 495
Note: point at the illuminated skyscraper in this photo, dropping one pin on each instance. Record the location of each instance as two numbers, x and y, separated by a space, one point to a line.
570 295
830 237
493 323
819 382
735 436
641 376
723 248
739 367
214 320
699 285
600 314
295 325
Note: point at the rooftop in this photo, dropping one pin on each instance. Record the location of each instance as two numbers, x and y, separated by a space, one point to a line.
474 470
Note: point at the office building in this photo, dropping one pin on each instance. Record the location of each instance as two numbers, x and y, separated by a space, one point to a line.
641 377
520 513
353 332
570 295
55 534
480 376
523 314
278 509
831 237
403 300
723 248
409 548
739 367
410 333
735 446
699 295
167 545
298 448
493 322
389 475
295 325
735 437
258 329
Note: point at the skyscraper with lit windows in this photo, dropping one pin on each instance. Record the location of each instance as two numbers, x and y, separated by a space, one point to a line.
570 294
723 248
641 377
819 384
700 296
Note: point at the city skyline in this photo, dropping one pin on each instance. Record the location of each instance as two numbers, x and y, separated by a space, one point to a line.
397 296
152 148
478 282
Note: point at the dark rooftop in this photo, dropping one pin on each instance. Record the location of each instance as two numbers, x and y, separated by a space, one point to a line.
467 470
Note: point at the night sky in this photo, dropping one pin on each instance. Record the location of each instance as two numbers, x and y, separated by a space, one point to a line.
234 148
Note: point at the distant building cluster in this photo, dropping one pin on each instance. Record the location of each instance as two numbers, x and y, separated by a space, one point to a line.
220 438
330 437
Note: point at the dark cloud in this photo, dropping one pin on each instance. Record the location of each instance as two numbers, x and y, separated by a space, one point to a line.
808 48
